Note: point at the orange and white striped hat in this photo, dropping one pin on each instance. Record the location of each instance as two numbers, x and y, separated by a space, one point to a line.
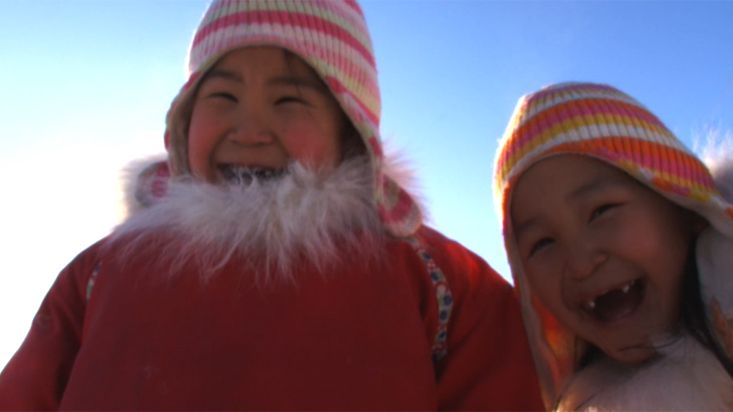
329 35
602 122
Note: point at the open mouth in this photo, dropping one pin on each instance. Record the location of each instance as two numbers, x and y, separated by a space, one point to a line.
616 303
234 174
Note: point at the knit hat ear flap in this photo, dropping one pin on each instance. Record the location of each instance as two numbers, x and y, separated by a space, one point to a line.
333 39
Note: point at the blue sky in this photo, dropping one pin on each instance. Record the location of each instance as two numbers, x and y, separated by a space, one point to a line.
84 86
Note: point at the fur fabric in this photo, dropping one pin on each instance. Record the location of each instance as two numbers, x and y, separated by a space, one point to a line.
717 153
685 377
272 223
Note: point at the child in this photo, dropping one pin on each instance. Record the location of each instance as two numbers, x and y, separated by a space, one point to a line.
273 262
620 245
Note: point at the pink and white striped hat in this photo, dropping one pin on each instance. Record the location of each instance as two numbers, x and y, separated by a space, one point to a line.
329 35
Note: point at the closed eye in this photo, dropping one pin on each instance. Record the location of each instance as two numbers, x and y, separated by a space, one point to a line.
539 245
223 95
290 99
601 210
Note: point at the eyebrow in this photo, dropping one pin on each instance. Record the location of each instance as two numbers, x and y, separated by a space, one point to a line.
523 227
223 74
597 183
299 81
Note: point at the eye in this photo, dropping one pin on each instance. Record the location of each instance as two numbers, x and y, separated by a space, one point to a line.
286 99
600 210
539 245
224 96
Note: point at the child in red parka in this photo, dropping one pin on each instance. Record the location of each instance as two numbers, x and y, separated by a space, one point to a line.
274 261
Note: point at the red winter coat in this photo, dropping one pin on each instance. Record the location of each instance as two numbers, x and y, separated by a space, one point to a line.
120 335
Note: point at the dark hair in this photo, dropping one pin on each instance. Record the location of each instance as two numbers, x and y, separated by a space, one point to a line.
693 317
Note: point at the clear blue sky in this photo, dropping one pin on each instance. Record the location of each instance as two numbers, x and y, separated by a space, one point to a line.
84 86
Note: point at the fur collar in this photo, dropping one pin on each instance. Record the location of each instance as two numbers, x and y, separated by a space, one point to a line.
301 215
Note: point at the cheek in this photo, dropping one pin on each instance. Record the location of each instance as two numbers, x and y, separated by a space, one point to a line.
659 243
546 287
313 144
201 144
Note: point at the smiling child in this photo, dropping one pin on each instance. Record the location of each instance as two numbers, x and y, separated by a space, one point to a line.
618 239
275 260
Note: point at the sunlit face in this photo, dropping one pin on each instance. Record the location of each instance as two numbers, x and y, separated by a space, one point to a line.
603 253
259 108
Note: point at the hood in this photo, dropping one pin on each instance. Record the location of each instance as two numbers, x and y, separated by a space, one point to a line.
332 37
604 123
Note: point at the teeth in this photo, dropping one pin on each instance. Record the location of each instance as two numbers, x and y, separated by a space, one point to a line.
627 287
591 304
241 174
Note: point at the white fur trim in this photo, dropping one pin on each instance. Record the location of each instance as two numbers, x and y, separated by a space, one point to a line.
304 214
717 153
397 165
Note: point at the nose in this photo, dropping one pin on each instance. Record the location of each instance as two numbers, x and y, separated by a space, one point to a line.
583 259
250 128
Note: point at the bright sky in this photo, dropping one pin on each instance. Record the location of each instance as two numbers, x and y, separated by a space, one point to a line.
84 86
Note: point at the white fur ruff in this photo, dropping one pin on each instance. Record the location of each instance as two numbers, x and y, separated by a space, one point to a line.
272 224
717 153
686 377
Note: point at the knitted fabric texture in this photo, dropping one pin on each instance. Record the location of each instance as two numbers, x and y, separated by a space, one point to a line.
604 123
330 36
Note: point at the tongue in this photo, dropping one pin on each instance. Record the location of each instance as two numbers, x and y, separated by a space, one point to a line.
617 304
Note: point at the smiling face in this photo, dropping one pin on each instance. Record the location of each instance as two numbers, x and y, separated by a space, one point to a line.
605 254
258 109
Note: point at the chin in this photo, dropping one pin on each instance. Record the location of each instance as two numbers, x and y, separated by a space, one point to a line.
634 355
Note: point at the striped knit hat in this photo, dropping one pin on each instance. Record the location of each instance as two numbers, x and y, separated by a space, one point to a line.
604 123
329 35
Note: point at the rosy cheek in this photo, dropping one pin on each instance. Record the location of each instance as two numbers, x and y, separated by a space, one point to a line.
307 148
198 155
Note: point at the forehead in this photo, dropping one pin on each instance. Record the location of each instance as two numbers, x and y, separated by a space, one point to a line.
567 170
562 178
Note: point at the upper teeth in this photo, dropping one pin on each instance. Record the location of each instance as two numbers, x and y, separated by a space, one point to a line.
243 174
591 304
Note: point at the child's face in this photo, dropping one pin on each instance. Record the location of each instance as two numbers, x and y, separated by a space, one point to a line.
260 108
604 253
